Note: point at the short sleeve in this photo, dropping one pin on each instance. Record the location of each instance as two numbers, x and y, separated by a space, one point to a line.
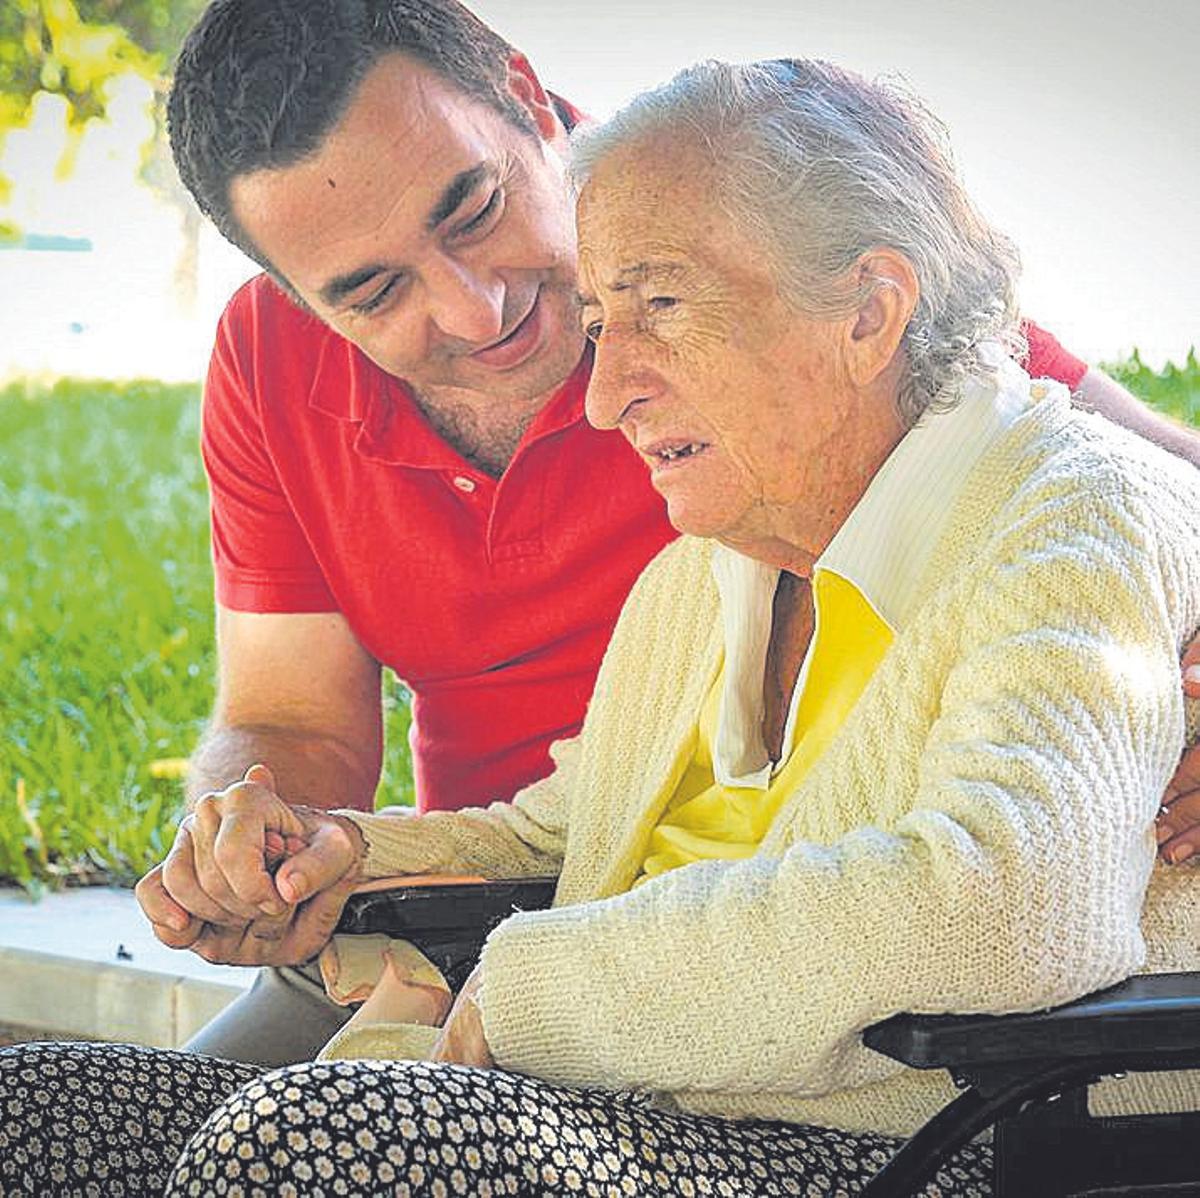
261 557
1049 360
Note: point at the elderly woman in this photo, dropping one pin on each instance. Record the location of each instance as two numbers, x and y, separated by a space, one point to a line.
886 731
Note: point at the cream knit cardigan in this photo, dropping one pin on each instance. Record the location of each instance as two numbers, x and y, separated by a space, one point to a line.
978 837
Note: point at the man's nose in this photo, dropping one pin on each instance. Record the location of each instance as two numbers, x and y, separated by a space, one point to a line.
620 381
464 303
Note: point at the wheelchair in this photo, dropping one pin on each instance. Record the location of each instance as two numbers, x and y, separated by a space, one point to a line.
1025 1076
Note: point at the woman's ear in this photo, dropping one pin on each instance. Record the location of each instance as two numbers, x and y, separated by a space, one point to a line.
888 283
526 88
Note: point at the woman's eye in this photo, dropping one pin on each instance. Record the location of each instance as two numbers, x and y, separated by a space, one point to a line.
660 303
593 329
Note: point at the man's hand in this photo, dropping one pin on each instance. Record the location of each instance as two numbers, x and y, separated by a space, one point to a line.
215 893
462 1040
1179 818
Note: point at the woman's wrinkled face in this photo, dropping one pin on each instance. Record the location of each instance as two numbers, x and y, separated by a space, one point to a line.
733 398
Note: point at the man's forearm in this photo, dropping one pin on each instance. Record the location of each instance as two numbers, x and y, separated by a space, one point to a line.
1101 394
317 771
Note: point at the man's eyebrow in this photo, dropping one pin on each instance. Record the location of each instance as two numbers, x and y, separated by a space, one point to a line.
456 191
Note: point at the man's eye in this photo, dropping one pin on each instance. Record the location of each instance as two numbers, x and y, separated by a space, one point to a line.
378 299
481 217
660 303
593 329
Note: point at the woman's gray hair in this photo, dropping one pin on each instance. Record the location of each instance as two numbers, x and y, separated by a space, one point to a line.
820 166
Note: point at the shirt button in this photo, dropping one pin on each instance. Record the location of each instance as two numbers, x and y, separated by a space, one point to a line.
464 484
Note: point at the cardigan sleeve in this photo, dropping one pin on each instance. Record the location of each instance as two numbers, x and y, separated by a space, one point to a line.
1010 877
521 839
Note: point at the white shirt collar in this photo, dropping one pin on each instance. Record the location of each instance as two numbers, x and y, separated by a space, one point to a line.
885 545
883 548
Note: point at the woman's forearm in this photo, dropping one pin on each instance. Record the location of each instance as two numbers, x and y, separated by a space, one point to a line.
524 838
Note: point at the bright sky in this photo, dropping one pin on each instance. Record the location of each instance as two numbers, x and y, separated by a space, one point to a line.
1075 125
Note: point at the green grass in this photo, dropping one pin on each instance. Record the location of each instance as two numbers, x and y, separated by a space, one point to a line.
106 651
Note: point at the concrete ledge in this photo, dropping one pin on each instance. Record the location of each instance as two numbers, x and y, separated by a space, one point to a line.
85 963
105 1002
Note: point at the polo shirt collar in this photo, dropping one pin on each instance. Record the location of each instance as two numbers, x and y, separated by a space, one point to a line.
566 406
343 377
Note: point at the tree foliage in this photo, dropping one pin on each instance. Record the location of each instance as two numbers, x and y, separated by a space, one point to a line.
73 47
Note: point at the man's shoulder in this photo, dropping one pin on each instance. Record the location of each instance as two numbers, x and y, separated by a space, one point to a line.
271 351
260 307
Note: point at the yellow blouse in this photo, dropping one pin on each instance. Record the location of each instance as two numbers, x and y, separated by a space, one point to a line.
704 820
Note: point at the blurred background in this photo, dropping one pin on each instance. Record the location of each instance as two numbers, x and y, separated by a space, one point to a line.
1073 123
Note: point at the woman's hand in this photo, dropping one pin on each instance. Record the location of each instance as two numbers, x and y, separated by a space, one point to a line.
220 894
462 1041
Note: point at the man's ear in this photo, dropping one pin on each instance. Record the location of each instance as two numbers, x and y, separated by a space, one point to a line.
888 283
526 88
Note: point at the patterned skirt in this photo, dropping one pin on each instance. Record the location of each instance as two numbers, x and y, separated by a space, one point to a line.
117 1120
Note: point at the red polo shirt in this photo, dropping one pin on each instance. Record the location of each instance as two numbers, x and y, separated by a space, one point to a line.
493 600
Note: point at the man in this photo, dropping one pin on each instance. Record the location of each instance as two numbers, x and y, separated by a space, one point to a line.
400 468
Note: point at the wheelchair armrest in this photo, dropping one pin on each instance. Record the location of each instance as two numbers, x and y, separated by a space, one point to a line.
1134 1021
1009 1066
467 908
448 922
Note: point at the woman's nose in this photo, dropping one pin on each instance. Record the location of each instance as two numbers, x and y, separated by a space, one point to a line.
620 381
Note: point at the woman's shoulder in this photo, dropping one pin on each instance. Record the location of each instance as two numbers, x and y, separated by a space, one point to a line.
685 563
1065 493
1061 463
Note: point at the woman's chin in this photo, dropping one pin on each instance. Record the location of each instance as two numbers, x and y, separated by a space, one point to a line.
695 519
704 497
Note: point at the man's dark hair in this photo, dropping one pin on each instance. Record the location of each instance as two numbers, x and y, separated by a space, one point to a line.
259 84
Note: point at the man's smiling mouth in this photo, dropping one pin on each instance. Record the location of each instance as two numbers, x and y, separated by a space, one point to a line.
518 343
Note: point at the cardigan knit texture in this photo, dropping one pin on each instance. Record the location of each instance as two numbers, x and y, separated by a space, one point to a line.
978 836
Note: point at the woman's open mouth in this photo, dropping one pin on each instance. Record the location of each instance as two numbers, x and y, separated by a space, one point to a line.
667 455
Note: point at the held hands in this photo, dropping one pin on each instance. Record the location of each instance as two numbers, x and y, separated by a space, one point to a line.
215 892
1179 817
